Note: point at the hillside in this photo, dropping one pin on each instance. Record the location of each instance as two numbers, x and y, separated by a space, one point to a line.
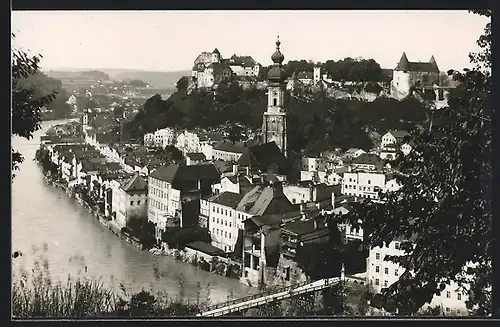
312 126
163 80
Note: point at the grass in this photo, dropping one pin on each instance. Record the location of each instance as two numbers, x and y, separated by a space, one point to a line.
35 295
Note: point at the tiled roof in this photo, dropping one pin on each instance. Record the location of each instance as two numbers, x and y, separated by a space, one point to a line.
227 199
264 200
228 146
428 67
136 183
223 166
399 134
367 159
196 156
301 227
174 173
305 75
205 248
242 61
262 156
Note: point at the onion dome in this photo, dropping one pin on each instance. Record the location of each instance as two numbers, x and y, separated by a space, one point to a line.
278 57
277 73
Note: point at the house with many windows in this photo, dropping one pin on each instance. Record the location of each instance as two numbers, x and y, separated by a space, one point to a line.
130 200
174 194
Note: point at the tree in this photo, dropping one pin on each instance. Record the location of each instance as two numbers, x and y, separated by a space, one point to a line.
443 206
235 133
182 83
26 108
321 260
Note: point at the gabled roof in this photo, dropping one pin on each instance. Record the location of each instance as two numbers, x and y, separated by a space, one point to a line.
305 75
241 61
399 133
228 146
196 156
262 156
223 166
367 159
405 65
174 173
135 183
264 200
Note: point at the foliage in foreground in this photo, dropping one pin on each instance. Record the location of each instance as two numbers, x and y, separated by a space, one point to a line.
26 106
37 296
444 202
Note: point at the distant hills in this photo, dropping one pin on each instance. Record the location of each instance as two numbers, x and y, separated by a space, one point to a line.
157 79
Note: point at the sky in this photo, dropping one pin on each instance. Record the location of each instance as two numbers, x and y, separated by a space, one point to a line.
171 40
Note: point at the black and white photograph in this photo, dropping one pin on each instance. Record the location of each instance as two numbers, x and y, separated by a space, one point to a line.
250 164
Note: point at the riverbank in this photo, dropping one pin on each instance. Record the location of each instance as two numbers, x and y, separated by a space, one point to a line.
225 267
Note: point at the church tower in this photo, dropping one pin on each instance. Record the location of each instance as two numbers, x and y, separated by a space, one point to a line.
274 121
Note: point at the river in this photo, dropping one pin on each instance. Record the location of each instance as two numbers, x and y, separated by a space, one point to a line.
47 224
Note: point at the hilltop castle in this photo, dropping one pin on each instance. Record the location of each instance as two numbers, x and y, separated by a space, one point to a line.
408 74
210 68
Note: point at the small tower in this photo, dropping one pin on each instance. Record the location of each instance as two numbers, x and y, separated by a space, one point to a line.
317 74
274 122
215 56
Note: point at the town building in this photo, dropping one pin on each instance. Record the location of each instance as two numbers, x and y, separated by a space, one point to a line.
363 184
130 200
413 74
382 274
313 163
394 138
174 194
274 124
195 158
368 161
228 151
228 211
188 142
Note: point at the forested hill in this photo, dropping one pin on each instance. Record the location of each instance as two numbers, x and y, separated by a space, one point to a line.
312 125
44 85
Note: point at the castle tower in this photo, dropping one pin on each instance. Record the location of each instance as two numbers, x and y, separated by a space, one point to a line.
216 56
317 74
274 123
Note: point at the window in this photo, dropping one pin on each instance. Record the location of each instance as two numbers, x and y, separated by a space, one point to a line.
213 219
396 245
447 309
139 202
217 231
213 209
131 203
217 220
448 294
225 234
217 209
386 271
225 212
396 272
377 269
369 182
213 230
275 102
229 235
377 282
225 222
229 213
386 283
459 296
229 224
377 256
